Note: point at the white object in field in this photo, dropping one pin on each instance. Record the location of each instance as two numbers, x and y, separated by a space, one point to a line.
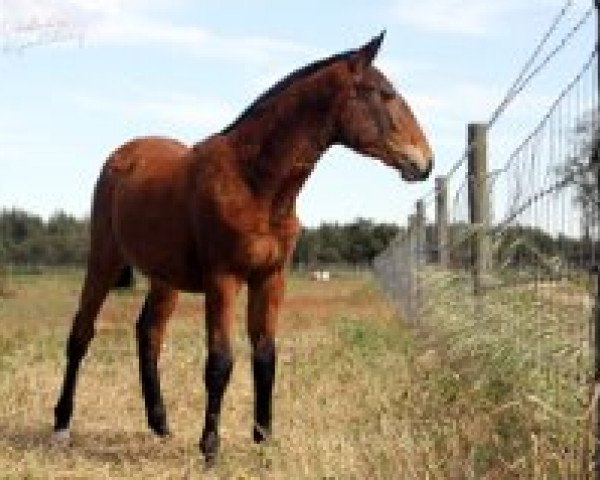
320 275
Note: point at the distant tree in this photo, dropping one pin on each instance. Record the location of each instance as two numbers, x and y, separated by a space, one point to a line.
25 239
520 245
356 243
66 238
576 168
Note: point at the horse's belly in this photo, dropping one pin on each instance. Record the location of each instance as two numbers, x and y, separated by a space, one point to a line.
153 233
168 259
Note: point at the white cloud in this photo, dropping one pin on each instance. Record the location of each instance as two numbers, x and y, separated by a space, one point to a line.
17 11
28 23
202 114
128 23
198 41
132 31
466 17
396 69
471 17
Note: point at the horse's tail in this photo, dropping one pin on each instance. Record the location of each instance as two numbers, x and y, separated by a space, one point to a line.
125 279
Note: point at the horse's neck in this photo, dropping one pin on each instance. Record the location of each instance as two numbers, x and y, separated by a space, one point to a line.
277 160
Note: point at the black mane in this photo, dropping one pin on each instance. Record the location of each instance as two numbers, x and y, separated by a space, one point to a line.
284 83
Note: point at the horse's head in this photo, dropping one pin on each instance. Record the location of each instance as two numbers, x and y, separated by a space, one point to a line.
375 120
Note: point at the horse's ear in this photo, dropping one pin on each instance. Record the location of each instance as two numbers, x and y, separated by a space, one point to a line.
364 56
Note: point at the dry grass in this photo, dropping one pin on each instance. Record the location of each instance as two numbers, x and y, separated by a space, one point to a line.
358 395
525 358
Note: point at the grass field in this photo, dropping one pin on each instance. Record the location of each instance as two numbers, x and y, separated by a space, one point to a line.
359 394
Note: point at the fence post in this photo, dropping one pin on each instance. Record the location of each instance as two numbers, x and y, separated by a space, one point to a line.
478 202
441 221
422 255
404 273
420 233
411 264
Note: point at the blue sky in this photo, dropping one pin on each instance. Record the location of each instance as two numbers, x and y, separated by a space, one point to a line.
116 69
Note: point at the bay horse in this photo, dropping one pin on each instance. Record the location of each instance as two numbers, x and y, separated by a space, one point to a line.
221 213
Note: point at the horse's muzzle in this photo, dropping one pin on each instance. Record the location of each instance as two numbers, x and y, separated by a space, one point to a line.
411 172
424 175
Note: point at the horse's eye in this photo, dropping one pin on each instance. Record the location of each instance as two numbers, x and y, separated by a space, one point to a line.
365 90
387 94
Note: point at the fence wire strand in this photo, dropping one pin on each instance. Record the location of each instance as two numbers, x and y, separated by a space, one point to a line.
525 77
510 95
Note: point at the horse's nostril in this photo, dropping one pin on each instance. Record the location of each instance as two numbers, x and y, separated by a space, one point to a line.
425 173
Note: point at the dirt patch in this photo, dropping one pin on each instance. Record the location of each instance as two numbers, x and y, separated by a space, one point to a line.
312 302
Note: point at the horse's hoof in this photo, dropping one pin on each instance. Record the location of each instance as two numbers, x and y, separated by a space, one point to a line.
61 437
209 446
160 428
158 424
261 434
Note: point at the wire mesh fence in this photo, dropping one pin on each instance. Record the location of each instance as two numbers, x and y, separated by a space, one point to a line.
500 261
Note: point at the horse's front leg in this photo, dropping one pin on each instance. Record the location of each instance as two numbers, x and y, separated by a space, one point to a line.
265 293
220 313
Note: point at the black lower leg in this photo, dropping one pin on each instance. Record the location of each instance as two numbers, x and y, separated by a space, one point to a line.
76 349
155 410
216 376
263 368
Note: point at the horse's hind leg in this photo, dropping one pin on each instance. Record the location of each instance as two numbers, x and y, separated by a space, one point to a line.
153 318
101 274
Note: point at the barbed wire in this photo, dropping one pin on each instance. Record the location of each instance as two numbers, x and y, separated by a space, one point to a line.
523 79
494 174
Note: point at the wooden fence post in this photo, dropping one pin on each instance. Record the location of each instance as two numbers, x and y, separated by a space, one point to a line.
422 256
441 221
478 203
412 266
420 233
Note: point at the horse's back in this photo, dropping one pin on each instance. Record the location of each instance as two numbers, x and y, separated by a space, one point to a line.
140 205
145 154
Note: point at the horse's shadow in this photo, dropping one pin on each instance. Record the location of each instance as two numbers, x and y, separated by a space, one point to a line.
99 446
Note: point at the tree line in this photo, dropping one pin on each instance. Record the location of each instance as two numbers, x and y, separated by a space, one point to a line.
519 246
356 243
62 240
27 239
